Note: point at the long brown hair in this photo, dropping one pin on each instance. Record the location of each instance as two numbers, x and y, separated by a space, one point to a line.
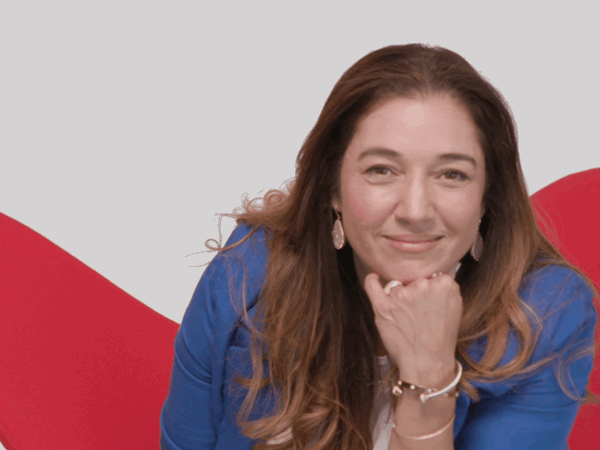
317 334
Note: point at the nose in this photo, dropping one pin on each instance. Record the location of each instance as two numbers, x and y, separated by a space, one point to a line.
414 202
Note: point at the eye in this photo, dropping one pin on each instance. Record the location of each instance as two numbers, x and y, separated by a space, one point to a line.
455 175
379 170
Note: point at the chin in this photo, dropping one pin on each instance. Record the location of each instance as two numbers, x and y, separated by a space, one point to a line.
404 276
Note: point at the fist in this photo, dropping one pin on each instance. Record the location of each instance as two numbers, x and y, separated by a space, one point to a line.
418 325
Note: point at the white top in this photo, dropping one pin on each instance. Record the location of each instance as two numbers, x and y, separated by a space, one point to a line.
381 427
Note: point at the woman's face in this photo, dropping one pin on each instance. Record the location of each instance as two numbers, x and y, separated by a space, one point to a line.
411 188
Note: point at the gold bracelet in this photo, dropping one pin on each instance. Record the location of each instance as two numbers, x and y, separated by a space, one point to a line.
427 436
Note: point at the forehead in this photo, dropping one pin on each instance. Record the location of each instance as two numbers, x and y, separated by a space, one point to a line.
427 125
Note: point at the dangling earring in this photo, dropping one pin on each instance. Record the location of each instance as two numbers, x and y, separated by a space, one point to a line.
339 238
477 247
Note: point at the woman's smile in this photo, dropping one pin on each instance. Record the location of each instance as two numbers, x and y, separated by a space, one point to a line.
412 245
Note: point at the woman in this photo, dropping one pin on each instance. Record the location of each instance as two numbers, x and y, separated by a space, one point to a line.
401 296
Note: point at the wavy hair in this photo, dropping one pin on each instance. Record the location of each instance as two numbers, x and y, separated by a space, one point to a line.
317 337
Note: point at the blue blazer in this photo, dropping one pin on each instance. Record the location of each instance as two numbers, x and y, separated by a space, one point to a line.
525 412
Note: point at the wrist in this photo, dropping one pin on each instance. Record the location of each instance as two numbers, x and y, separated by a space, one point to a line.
413 419
430 435
435 375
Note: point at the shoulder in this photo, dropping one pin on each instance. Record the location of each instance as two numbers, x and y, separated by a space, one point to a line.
551 282
560 307
250 247
561 300
245 263
232 280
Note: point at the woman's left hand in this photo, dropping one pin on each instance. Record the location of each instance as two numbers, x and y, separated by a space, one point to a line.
418 325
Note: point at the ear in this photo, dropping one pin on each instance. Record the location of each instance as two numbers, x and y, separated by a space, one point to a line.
482 211
335 202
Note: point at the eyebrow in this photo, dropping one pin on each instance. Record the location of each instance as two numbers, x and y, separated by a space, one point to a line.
388 153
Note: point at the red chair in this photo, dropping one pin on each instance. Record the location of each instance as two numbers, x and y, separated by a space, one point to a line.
83 365
568 212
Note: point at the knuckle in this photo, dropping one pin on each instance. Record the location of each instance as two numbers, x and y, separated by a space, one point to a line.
421 284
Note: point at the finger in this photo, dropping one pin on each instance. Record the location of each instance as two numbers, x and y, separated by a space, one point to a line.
375 291
373 286
377 296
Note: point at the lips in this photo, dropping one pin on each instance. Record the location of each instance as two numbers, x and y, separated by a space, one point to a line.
413 239
413 244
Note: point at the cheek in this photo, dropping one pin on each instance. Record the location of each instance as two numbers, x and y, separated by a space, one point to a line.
366 205
463 212
359 207
462 217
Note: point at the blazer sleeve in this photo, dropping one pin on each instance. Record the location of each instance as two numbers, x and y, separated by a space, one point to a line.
186 418
194 408
533 411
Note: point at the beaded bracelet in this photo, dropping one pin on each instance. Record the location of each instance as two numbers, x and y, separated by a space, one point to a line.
428 393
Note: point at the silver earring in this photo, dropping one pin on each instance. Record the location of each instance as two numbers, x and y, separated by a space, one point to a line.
477 247
339 238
